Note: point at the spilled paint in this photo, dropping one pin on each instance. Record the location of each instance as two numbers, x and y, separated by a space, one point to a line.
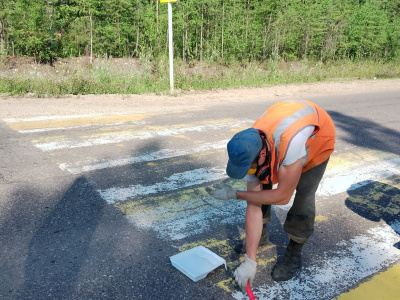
221 247
321 219
225 284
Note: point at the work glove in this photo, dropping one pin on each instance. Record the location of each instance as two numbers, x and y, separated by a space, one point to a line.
245 272
222 191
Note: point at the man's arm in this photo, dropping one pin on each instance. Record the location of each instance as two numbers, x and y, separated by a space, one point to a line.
253 222
288 176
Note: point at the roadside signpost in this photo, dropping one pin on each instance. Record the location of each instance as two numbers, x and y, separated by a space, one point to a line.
171 50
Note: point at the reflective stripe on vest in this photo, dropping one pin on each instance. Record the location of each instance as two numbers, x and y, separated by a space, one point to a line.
286 122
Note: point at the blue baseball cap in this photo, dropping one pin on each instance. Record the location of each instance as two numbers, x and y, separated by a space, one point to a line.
243 149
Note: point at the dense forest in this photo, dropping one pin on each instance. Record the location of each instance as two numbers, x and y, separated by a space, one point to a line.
206 30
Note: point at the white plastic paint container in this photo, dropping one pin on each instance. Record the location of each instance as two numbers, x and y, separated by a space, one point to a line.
197 262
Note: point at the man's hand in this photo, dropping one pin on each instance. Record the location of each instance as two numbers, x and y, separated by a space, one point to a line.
222 191
245 272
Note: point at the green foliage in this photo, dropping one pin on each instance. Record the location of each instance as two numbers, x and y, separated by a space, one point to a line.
223 30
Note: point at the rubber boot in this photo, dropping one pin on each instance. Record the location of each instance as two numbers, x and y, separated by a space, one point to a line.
290 263
264 240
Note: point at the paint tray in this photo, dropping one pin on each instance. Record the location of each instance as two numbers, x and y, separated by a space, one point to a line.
197 262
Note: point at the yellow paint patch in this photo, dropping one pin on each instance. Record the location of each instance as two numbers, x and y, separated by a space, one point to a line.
220 246
344 162
385 285
264 262
321 219
71 122
181 136
151 164
265 248
224 284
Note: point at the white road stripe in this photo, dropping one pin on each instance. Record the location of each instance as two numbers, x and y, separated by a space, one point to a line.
363 173
339 269
94 165
166 215
45 118
81 126
181 220
132 136
174 182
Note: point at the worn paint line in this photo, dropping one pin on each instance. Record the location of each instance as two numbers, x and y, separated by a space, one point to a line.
176 181
75 121
81 126
166 213
95 165
118 138
337 270
45 118
361 174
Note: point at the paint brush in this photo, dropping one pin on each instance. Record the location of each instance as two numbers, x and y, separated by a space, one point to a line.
250 292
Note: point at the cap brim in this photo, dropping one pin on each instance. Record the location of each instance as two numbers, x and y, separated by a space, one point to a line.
236 172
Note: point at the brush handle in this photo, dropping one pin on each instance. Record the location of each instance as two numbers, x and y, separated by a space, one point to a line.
250 292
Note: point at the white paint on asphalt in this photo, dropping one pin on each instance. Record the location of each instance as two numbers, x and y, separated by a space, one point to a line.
363 173
81 126
337 270
47 118
194 216
118 138
95 165
174 182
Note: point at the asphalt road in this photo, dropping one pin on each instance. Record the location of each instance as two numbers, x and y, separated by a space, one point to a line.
93 206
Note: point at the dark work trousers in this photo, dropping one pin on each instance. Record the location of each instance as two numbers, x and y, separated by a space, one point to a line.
299 224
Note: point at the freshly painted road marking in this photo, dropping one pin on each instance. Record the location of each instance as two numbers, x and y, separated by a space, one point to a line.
166 211
174 182
339 269
182 214
385 285
94 165
114 138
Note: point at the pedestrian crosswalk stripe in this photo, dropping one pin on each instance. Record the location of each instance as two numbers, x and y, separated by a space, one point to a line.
174 182
128 136
72 121
40 130
96 164
362 173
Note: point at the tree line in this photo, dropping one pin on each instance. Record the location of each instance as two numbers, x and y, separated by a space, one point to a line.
222 30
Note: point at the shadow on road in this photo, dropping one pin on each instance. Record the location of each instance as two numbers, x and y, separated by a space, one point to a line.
376 201
366 133
60 245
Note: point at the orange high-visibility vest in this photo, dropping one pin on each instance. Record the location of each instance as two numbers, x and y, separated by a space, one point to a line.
283 120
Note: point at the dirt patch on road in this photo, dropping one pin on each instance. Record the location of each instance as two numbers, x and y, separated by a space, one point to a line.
19 107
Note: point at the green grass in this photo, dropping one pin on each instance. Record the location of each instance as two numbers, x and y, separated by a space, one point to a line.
129 76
